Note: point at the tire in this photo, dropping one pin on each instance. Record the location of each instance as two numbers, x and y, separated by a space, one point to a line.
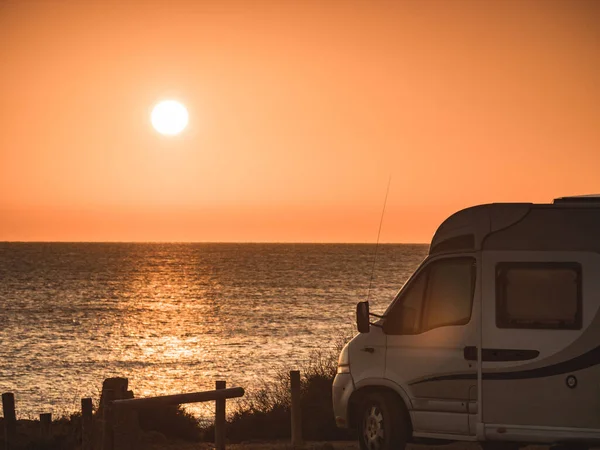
382 423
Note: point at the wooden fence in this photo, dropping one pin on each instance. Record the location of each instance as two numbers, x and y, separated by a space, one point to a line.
116 411
116 415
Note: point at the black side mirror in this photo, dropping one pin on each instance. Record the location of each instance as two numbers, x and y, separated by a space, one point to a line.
362 317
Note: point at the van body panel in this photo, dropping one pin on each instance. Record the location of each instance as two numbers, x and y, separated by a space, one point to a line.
367 355
446 386
342 389
540 385
439 422
444 436
550 228
540 434
478 221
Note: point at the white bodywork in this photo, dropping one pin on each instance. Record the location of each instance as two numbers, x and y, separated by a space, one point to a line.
533 385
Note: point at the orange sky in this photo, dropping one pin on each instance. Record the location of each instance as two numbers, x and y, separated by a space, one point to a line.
299 112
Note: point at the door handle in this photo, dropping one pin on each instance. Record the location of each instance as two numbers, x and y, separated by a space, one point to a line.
368 349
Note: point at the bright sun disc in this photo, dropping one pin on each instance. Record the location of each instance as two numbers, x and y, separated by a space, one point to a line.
169 117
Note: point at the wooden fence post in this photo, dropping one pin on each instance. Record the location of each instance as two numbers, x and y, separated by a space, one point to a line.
86 423
10 420
220 418
296 410
45 425
126 431
108 426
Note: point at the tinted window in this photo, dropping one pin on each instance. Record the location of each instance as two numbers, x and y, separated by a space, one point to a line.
440 295
538 295
405 316
449 293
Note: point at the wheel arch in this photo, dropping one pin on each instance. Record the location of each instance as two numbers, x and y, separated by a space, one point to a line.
377 385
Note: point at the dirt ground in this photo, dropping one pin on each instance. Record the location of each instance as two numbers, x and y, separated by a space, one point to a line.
283 445
269 445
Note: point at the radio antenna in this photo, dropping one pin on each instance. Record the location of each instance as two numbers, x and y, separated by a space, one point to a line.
378 235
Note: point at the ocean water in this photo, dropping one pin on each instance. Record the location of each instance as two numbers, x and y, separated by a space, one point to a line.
175 318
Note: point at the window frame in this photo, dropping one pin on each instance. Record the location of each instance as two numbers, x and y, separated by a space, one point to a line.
425 270
502 320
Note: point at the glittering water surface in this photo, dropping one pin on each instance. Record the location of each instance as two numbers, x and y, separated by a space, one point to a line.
175 318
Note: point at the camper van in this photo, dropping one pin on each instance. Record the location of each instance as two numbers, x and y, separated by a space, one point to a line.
495 338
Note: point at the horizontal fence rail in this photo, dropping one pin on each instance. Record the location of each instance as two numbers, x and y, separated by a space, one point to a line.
178 399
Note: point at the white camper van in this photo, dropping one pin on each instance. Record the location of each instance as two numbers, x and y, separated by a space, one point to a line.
495 338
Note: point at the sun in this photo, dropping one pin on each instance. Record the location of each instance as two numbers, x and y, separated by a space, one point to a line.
169 117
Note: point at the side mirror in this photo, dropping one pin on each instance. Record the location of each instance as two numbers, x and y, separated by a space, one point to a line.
362 317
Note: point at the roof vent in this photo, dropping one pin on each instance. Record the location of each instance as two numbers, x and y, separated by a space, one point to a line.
591 199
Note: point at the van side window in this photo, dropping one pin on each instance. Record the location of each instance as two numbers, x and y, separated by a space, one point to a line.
450 290
440 295
541 295
405 316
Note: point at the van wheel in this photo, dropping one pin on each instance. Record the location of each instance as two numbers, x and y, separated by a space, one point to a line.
383 425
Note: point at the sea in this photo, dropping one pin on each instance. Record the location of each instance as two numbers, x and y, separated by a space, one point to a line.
175 317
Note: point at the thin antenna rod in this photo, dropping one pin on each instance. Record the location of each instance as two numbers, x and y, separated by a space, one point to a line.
378 235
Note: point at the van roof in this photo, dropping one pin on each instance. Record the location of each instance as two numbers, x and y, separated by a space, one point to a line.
568 223
589 199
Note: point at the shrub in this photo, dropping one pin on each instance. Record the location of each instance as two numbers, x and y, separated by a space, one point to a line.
171 421
65 434
266 413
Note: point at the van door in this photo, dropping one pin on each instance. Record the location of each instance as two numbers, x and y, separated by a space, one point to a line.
540 352
428 327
